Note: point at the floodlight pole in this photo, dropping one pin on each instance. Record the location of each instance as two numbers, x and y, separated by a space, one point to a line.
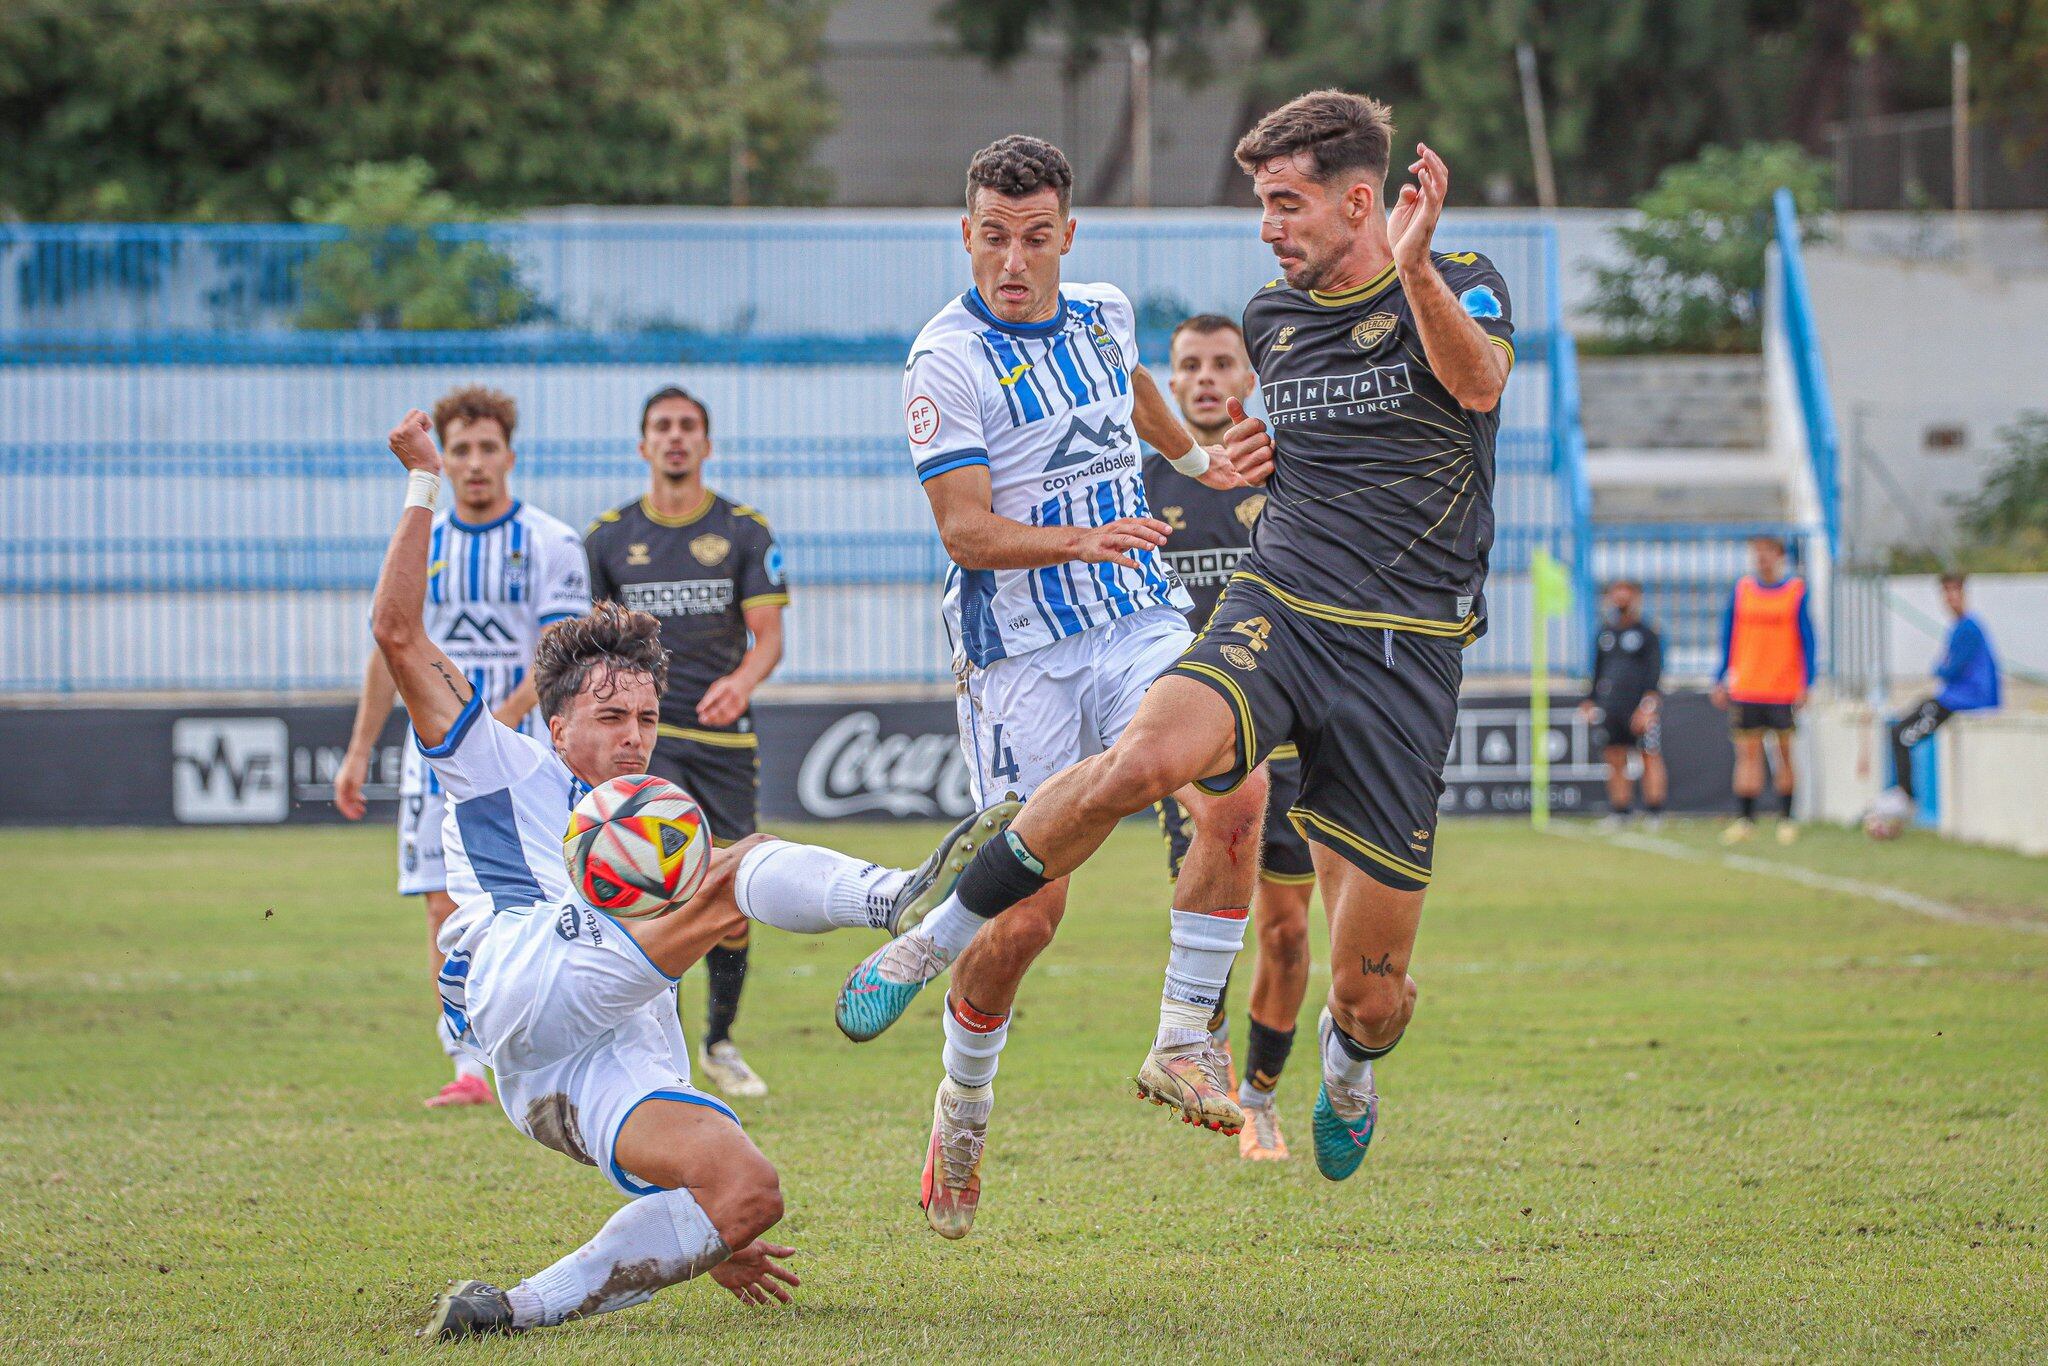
1959 123
1539 130
1141 123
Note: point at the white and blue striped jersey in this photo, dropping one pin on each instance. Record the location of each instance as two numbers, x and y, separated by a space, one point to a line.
491 589
1047 408
509 798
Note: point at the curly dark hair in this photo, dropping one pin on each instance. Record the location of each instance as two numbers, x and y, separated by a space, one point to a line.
1339 131
602 643
472 403
1016 166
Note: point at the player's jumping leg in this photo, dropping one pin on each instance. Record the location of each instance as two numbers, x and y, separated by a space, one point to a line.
725 973
719 1196
1785 777
1279 983
469 1086
1749 784
881 988
1372 997
1211 902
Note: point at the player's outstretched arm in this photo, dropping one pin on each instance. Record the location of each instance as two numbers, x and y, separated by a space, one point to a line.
976 538
432 688
1162 431
1460 353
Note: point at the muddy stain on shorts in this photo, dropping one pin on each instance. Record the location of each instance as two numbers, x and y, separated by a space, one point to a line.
552 1120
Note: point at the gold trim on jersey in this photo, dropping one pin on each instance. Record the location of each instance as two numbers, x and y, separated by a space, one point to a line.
1247 728
765 600
721 739
1504 344
1290 750
647 511
1287 879
1351 616
1355 296
1302 819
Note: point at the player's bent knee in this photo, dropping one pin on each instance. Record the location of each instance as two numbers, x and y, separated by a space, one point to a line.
1371 1006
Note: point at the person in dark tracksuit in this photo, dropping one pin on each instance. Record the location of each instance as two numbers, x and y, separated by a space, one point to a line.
1624 704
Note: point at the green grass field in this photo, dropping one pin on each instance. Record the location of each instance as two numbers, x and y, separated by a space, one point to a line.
1650 1108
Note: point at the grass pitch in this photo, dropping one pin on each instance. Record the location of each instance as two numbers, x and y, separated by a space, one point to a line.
1650 1108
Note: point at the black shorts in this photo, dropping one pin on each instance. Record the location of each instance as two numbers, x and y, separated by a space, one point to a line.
1748 718
1283 854
1612 731
723 779
1372 712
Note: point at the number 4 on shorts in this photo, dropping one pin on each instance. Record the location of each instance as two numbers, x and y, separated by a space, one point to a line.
1005 765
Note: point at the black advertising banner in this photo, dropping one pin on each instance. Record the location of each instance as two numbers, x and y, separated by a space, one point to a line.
819 761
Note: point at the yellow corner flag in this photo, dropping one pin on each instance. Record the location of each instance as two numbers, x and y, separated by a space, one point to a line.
1550 591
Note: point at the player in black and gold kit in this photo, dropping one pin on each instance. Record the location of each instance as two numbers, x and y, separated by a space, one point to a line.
709 568
1381 364
1212 532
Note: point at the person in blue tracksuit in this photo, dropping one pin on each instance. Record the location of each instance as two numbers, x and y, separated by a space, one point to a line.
1968 671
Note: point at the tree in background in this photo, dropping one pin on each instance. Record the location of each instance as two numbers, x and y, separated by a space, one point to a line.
1694 277
392 271
2005 527
174 110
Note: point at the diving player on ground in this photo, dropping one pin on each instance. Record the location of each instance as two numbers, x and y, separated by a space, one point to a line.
575 1011
1381 364
1023 405
1212 532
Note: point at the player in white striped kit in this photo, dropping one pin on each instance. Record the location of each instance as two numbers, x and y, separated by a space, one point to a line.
1024 403
499 573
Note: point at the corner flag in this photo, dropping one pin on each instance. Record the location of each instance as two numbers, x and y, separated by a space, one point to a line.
1550 590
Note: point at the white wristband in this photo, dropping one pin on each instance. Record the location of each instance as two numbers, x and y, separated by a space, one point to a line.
423 490
1195 463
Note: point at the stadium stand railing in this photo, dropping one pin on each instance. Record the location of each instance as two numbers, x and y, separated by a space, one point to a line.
194 493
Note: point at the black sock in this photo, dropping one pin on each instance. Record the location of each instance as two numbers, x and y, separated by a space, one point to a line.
1265 1055
1621 808
1788 803
1363 1052
1653 808
1748 807
727 970
1001 875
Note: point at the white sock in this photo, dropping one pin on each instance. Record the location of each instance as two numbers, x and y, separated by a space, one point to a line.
952 926
467 1066
1204 945
651 1243
808 890
1339 1066
1251 1097
973 1045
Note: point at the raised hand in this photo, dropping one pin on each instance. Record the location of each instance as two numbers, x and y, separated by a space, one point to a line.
1412 224
1109 544
1248 446
412 441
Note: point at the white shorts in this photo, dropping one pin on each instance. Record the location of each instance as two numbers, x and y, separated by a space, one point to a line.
578 1024
420 864
1024 719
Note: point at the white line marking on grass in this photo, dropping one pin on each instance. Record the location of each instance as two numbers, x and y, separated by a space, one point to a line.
1826 882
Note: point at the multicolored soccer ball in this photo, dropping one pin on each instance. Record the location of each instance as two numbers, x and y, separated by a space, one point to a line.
1889 815
637 847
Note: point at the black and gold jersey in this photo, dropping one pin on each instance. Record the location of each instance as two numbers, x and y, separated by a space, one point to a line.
698 573
1212 530
1380 509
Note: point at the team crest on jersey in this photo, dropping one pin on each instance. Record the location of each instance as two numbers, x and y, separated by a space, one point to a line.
1106 344
1373 331
1248 511
636 553
1177 518
1241 657
515 570
710 548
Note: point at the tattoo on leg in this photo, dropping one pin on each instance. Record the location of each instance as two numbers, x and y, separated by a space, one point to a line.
1383 968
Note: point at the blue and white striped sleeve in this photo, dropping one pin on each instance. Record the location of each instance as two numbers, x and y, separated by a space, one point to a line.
942 413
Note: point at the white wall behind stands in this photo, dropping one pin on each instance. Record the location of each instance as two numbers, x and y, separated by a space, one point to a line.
1987 778
1933 341
2013 608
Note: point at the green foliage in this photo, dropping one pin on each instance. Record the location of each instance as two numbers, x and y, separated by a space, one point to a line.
2005 526
212 111
1694 277
391 271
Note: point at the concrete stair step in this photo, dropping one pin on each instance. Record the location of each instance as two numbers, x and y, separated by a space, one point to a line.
1685 484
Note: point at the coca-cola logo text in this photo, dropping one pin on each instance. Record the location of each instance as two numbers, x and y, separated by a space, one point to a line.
853 767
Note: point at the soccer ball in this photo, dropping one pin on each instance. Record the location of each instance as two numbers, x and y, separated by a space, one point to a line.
637 847
1886 819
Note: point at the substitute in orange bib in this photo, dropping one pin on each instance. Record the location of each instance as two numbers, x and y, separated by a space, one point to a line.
1767 656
